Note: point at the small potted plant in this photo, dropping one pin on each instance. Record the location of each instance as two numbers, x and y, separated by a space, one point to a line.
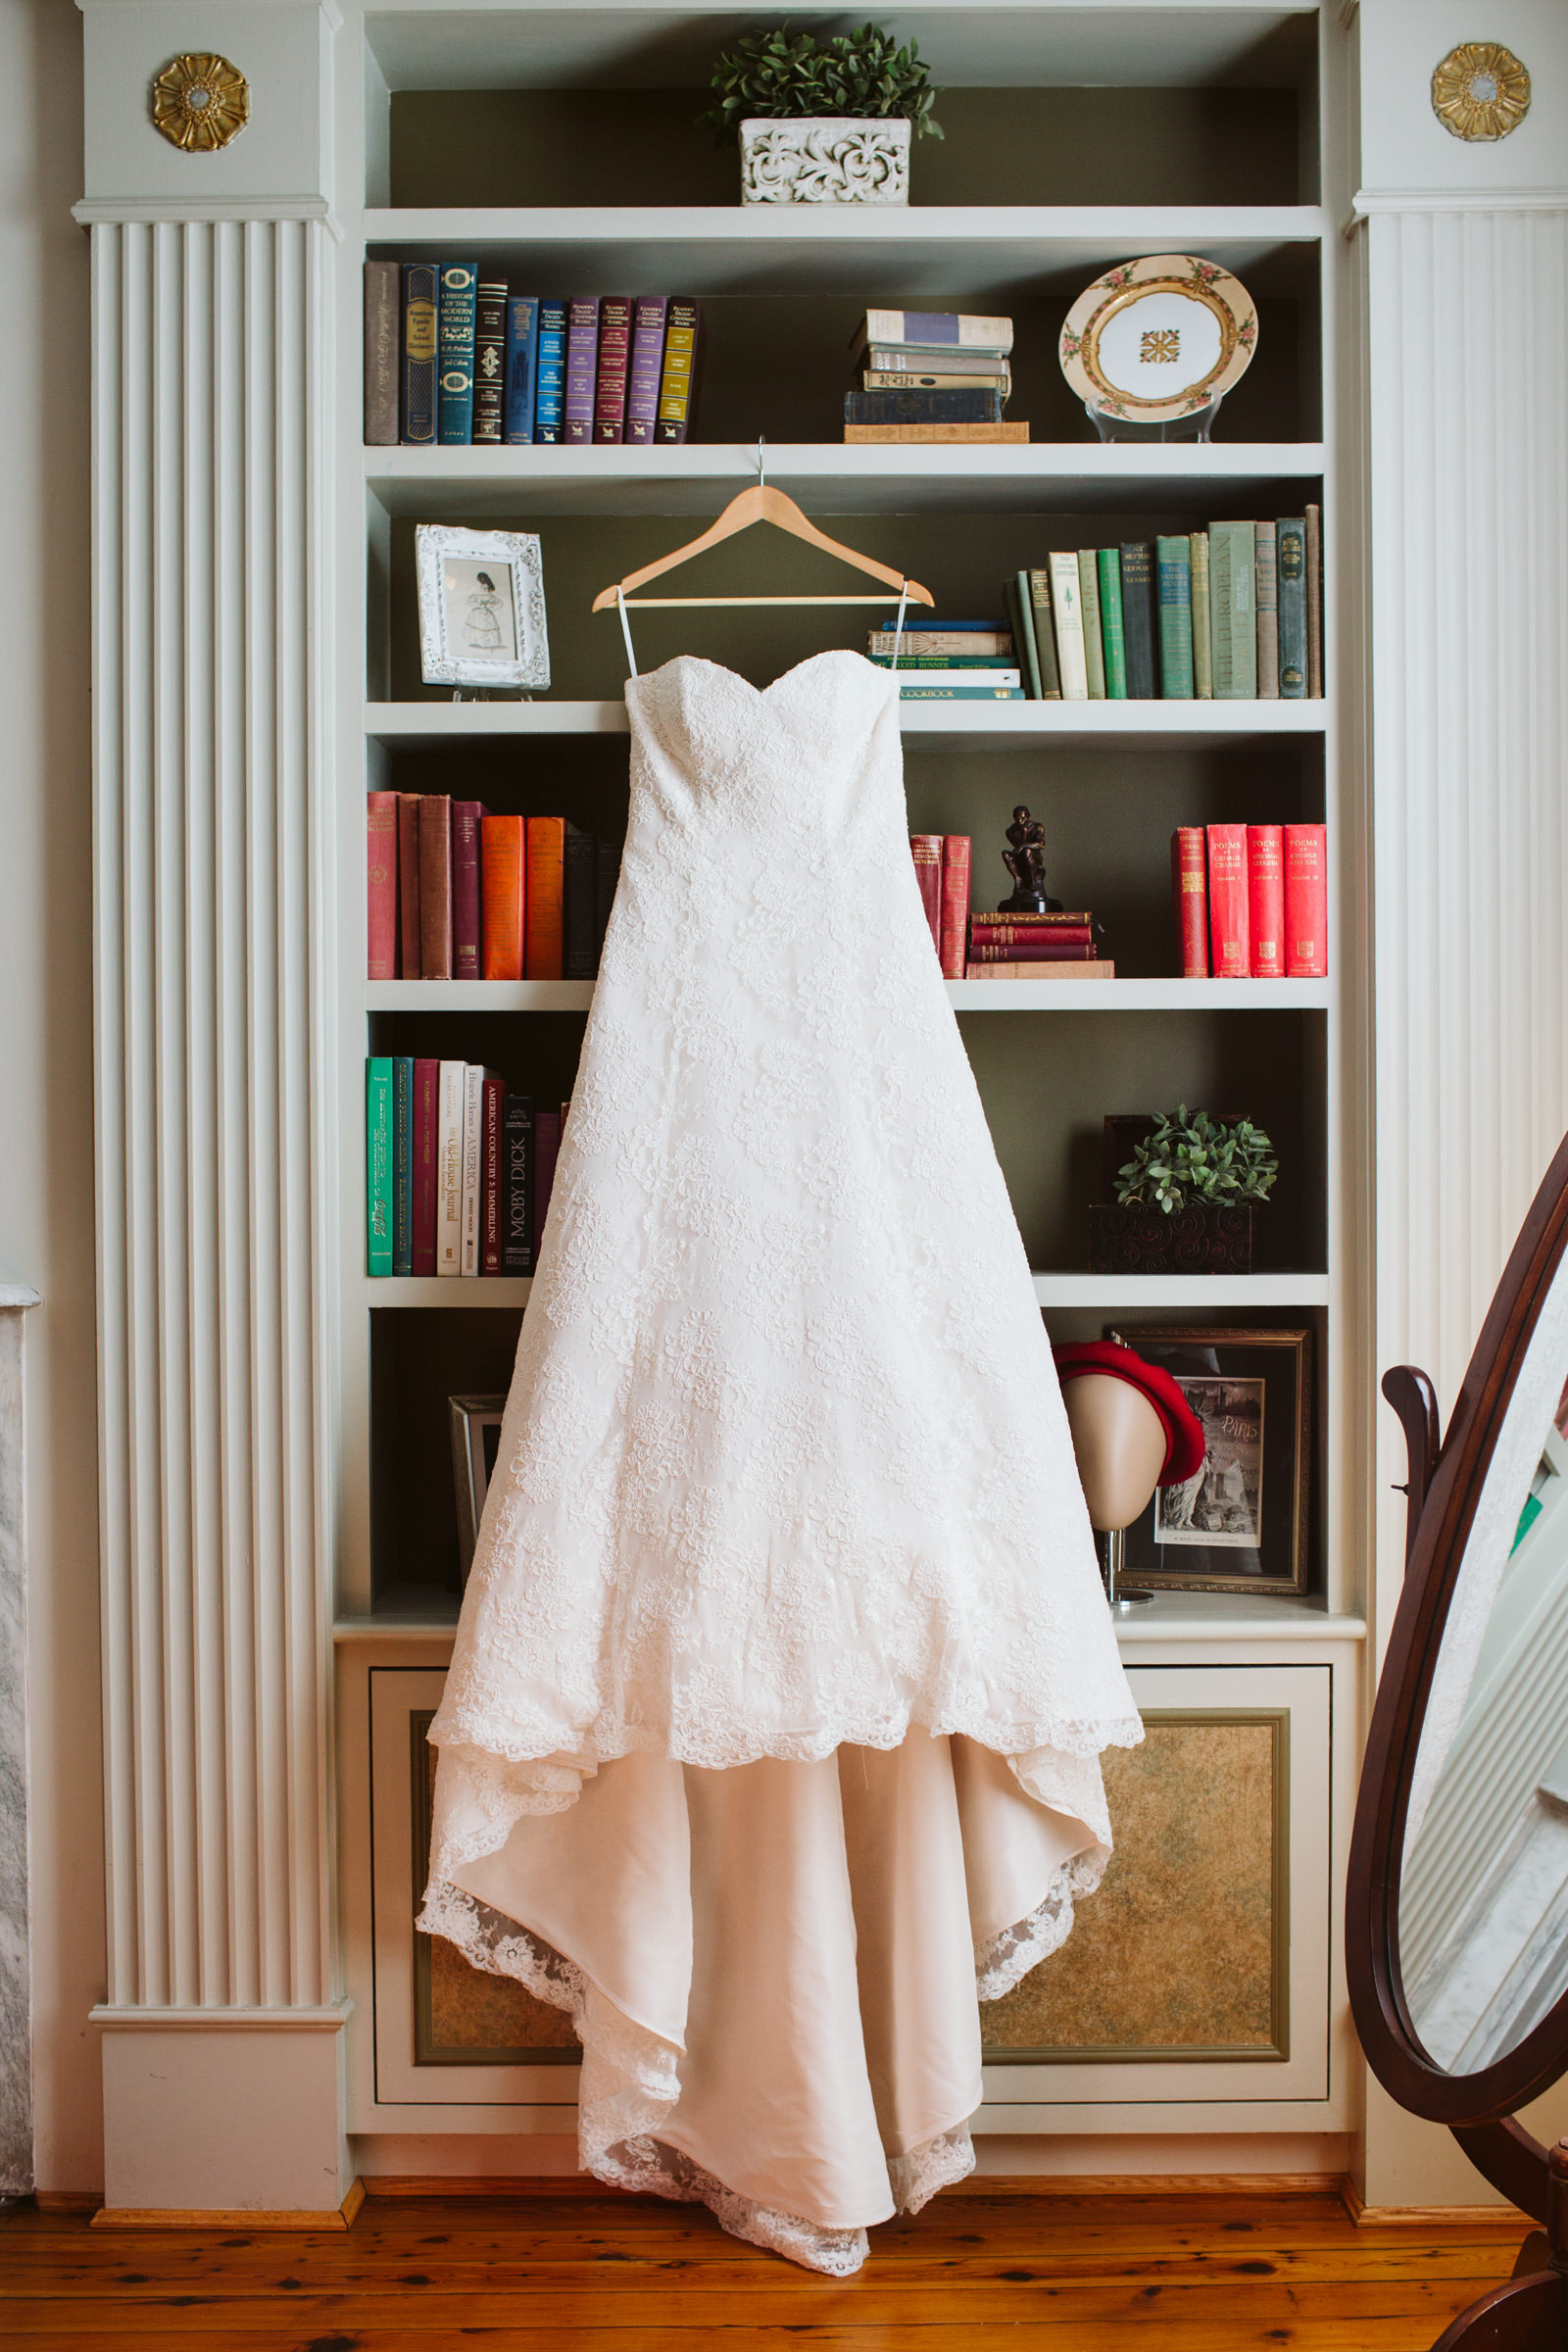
1185 1200
822 121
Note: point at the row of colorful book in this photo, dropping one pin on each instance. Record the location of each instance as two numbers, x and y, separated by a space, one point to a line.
1001 946
930 376
452 357
458 1170
1251 902
453 893
1230 614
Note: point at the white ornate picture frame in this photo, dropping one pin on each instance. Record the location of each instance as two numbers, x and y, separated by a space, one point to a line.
481 606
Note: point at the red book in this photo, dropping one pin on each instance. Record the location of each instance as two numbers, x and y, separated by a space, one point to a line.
615 362
435 886
954 904
1053 934
424 1147
1230 940
1020 926
466 816
1189 890
501 844
409 883
1045 946
926 851
544 922
381 885
1265 899
492 1190
1306 903
546 1145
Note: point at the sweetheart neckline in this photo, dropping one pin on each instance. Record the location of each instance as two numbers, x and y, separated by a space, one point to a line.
833 653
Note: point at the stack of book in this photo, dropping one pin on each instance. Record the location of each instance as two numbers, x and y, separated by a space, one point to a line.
948 660
458 1172
1251 902
1001 946
454 357
930 376
1233 613
457 894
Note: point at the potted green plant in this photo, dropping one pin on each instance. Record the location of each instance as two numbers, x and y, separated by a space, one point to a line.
1184 1200
822 121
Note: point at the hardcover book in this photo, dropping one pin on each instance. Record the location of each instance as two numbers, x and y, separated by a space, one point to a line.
459 283
550 372
606 878
952 379
914 693
1099 969
1040 947
955 848
449 1169
489 360
1190 891
1069 618
546 1147
502 866
401 1163
679 374
1173 559
1229 933
1139 632
1266 595
422 283
1108 562
970 644
379 1164
1306 903
521 364
614 363
934 330
647 365
935 436
473 1078
1233 619
1265 899
1314 602
1034 598
582 370
579 951
1202 663
516 1156
922 408
926 851
544 922
467 818
435 886
1094 635
424 1155
381 885
1074 923
413 968
383 298
883 358
492 1178
1292 589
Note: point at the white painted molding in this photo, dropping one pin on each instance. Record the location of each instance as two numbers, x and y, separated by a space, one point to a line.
129 2019
18 1295
16 1963
1365 202
213 628
113 211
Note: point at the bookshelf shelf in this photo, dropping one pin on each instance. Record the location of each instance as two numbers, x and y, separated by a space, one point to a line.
926 726
1113 1293
937 250
969 996
835 478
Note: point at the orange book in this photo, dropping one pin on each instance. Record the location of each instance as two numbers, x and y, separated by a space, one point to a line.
544 922
501 851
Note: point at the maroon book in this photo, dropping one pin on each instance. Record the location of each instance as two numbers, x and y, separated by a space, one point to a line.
492 1190
647 365
381 885
926 851
954 902
1037 950
409 884
435 886
424 1145
546 1145
1002 931
467 929
615 362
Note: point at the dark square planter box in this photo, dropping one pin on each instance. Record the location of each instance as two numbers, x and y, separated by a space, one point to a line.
1145 1241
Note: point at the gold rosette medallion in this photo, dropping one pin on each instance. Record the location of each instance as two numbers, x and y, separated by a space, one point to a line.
200 102
1481 91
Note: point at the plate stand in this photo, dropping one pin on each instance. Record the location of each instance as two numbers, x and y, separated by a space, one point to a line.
1196 428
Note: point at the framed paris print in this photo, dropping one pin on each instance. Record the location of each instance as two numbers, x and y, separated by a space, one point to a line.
1239 1523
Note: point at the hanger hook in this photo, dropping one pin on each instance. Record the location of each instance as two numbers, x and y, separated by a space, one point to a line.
761 460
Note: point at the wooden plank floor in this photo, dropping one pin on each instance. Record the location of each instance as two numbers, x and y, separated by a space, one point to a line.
608 2273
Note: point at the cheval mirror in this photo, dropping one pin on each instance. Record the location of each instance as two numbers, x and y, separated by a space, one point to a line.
1456 1920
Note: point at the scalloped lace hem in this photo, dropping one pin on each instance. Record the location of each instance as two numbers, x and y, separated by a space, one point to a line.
1004 1960
630 2086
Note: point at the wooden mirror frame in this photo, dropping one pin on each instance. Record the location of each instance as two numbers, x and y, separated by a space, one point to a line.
1445 1489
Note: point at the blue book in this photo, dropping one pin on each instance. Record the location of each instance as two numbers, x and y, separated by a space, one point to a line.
403 1163
522 355
420 312
1174 583
460 286
550 370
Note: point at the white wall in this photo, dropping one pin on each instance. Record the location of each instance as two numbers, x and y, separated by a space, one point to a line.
46 1199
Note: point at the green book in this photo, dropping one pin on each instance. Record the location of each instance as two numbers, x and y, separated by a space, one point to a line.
1016 598
1292 584
1173 569
1093 647
1203 664
379 1164
1108 562
1045 632
1233 610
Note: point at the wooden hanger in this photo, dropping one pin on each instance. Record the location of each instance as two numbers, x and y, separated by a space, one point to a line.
760 503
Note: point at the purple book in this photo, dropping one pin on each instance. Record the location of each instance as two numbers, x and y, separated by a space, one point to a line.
467 962
647 359
546 1145
582 370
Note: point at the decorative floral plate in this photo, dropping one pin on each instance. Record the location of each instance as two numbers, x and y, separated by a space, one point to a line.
1158 338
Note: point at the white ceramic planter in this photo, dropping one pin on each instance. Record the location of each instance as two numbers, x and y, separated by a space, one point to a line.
825 160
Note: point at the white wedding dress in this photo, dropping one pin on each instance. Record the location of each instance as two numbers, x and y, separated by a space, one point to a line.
774 1718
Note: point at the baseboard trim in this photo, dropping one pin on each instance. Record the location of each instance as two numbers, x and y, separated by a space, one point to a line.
977 2184
240 2217
67 2200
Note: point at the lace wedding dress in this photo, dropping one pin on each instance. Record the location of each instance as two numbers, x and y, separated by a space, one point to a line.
773 1723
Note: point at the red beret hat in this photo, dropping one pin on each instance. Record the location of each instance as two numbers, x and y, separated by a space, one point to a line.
1184 1432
